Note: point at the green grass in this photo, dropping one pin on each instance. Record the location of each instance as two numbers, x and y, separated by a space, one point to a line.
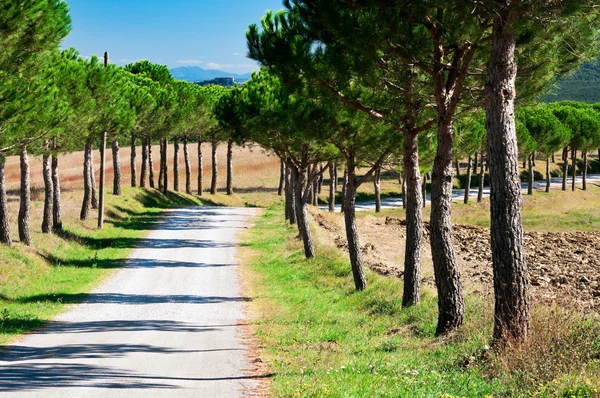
321 338
37 283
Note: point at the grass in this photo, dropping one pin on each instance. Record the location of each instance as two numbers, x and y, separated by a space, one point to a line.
37 283
321 338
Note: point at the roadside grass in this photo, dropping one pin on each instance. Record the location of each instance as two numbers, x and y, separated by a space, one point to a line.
321 338
37 283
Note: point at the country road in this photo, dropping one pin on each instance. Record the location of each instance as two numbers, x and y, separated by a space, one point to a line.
459 194
166 325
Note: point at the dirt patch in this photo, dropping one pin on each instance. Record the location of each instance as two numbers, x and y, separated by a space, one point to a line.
564 267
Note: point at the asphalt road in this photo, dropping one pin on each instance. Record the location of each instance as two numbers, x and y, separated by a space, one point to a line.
166 325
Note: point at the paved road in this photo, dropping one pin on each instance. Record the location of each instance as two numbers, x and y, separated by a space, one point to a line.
459 194
167 325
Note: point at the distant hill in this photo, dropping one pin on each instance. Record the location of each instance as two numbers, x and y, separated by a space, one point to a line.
195 74
583 85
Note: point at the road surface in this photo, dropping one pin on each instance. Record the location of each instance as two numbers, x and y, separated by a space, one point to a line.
459 194
166 325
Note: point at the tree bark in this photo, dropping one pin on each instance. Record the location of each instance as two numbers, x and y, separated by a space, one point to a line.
176 164
230 167
188 167
481 179
215 171
344 182
117 169
94 199
358 273
450 297
25 202
165 166
48 194
573 168
150 165
547 174
531 176
585 167
161 170
511 314
144 171
468 182
132 164
5 237
310 191
87 182
424 190
377 186
290 190
414 221
282 179
285 186
565 166
56 206
475 161
302 212
200 169
554 158
458 168
332 187
403 182
315 197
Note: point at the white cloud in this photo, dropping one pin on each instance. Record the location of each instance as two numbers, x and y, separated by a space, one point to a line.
236 54
190 62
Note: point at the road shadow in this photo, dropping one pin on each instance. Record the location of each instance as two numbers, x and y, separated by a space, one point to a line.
130 299
129 263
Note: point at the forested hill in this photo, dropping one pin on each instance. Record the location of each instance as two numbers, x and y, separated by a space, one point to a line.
583 85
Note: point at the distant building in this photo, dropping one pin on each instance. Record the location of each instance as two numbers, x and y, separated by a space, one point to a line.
219 81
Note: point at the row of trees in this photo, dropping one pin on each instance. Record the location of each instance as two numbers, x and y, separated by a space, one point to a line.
54 102
362 81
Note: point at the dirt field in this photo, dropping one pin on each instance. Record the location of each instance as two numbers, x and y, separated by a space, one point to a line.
564 266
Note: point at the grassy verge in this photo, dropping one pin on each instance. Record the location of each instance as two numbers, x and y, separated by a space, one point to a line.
37 283
321 338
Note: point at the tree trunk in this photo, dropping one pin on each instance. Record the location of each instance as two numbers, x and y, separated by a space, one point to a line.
344 182
56 206
358 273
302 212
286 188
377 186
200 168
468 182
290 189
533 158
315 197
424 191
511 315
282 179
144 171
475 161
585 167
117 169
161 170
48 194
230 167
150 165
554 158
403 182
5 237
458 168
215 171
332 187
531 176
547 174
573 168
176 164
565 166
94 199
132 164
25 202
165 166
188 167
414 221
87 182
321 179
481 179
450 297
309 194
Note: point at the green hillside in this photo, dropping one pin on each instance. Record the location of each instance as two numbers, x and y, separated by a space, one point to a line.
583 85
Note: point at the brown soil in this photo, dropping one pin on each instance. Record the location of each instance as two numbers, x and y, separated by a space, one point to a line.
564 267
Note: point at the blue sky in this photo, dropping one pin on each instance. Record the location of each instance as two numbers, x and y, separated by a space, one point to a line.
205 33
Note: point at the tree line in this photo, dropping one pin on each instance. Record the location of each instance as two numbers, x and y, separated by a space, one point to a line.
55 102
362 82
